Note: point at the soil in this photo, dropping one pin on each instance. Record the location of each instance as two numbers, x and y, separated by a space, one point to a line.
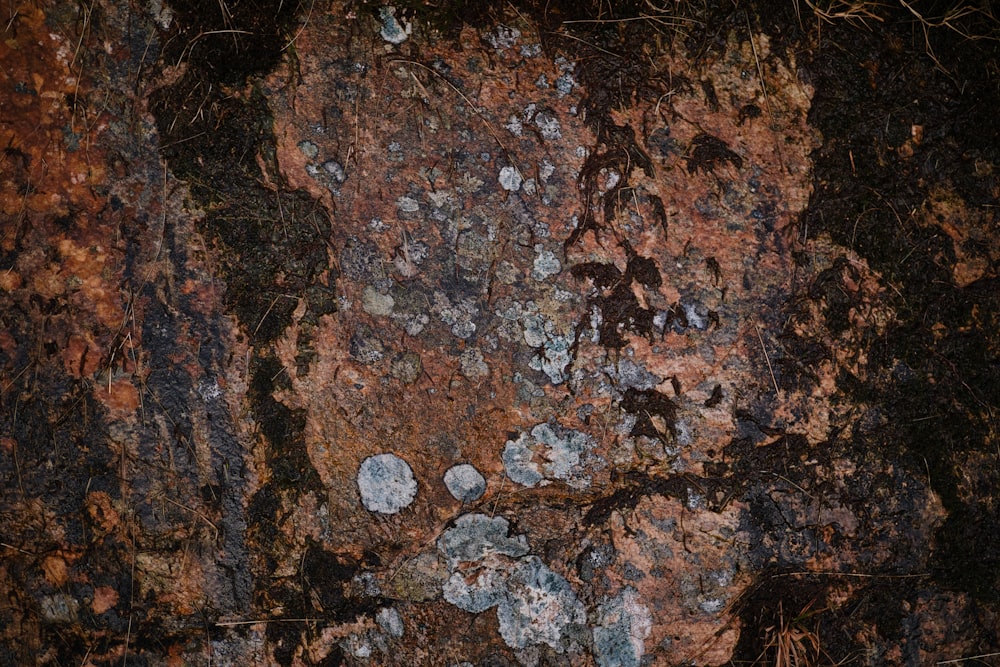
707 296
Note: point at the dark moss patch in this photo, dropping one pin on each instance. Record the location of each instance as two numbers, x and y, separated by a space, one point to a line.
707 153
946 337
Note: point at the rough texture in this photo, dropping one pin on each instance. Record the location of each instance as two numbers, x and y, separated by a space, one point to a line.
679 349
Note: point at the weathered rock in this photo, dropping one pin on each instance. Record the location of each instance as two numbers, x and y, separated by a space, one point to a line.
356 337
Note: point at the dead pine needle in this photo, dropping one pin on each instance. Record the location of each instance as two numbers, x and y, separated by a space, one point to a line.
763 348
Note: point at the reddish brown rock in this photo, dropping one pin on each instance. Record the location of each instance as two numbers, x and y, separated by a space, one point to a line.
346 335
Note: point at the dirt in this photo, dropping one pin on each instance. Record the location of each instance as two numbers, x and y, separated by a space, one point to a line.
708 297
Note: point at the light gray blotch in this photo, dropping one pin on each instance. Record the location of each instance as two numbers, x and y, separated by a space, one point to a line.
540 607
472 364
407 204
514 126
335 169
309 149
386 484
624 623
392 30
465 483
503 37
631 374
548 125
390 620
375 303
553 358
510 179
517 462
534 330
546 264
484 591
474 536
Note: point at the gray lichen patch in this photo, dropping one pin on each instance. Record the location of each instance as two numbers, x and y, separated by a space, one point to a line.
376 303
539 607
392 30
546 263
534 604
406 367
472 365
465 483
475 536
386 484
549 452
624 623
389 620
510 179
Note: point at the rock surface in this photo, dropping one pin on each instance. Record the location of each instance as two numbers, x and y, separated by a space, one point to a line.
351 334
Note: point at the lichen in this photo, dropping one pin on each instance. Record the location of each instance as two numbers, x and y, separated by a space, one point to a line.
539 607
392 30
472 364
624 623
546 264
534 604
475 536
562 450
510 179
386 484
465 483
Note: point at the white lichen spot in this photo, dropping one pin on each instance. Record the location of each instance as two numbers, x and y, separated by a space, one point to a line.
309 149
624 623
476 536
482 591
390 621
548 125
510 179
517 462
375 303
514 126
534 330
503 37
553 358
465 483
565 84
546 170
694 318
712 606
546 264
630 374
392 30
386 484
407 204
335 169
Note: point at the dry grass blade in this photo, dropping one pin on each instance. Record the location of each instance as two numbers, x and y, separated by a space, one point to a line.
791 644
853 11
